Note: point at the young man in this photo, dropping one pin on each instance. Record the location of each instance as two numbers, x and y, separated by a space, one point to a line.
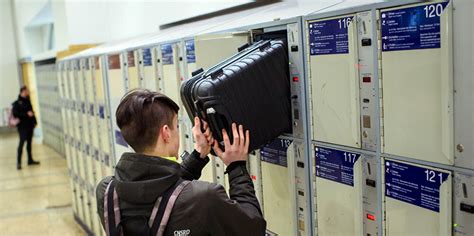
148 122
23 110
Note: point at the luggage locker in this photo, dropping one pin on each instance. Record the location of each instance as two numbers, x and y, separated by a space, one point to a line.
117 89
103 120
147 69
417 199
345 193
463 83
417 98
85 201
343 102
131 74
96 227
94 125
85 75
463 212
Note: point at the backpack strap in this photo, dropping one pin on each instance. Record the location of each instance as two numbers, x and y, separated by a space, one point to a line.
163 206
111 210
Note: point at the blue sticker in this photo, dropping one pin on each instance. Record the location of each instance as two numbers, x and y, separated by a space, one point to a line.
167 54
147 59
329 36
412 28
414 185
190 53
335 165
275 152
119 139
101 112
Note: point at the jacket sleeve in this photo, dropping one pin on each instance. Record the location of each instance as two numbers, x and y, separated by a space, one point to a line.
240 214
100 194
17 112
192 166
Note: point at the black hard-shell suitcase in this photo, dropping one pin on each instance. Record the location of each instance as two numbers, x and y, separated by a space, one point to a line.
250 88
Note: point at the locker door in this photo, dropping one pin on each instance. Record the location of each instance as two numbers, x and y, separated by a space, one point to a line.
148 73
463 83
463 204
117 89
132 74
417 199
339 196
277 187
96 224
417 81
170 72
103 131
334 80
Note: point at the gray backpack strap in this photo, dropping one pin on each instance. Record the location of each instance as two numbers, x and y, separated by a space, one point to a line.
161 213
111 212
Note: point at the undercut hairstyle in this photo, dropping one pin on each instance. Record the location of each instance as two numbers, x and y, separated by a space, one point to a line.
141 114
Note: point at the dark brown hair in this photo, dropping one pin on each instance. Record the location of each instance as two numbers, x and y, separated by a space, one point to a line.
140 115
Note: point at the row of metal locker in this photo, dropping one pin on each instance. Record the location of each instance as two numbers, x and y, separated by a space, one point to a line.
382 116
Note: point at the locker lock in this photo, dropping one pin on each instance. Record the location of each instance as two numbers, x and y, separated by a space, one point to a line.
467 208
460 147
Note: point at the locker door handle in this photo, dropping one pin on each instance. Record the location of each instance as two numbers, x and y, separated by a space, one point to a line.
370 182
467 208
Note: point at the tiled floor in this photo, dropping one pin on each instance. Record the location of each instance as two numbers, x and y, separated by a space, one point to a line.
37 199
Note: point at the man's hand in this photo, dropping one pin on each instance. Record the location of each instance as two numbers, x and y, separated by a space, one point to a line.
238 150
203 141
30 113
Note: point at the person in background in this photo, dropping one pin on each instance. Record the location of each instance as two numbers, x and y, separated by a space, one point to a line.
152 194
23 110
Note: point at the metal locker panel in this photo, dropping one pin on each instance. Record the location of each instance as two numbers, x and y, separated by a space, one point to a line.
213 48
132 73
255 172
149 77
99 81
80 205
463 216
339 194
417 199
171 83
334 83
277 189
96 223
86 206
417 82
463 83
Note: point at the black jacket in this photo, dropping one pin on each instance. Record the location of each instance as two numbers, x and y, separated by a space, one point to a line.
20 110
202 208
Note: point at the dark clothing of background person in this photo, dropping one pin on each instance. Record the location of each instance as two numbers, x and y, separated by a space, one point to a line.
202 208
27 124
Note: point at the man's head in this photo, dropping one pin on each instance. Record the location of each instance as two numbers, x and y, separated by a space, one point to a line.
24 92
149 122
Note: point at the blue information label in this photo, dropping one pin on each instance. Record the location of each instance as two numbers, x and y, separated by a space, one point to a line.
147 59
275 152
329 36
119 139
167 54
190 53
101 112
412 28
335 165
414 185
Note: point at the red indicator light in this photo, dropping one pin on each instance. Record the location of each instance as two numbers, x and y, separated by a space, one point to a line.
296 79
254 177
366 79
370 217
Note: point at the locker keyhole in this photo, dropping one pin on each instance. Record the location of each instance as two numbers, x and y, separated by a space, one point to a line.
368 168
464 190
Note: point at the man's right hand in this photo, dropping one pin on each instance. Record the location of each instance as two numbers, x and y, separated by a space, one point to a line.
30 113
238 150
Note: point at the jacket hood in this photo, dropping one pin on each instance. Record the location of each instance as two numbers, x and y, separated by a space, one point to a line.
141 179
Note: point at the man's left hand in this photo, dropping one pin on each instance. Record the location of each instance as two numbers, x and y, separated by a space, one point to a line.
203 141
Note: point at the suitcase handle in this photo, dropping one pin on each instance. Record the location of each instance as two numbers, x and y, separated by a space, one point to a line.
264 46
241 48
197 72
217 122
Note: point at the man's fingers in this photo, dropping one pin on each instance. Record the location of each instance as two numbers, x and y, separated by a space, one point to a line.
247 140
208 132
205 125
241 136
217 149
226 138
235 133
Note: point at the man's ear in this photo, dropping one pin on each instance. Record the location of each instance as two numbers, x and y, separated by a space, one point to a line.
165 133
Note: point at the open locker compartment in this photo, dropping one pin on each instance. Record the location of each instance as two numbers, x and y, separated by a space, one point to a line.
345 192
417 199
463 204
417 81
341 70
